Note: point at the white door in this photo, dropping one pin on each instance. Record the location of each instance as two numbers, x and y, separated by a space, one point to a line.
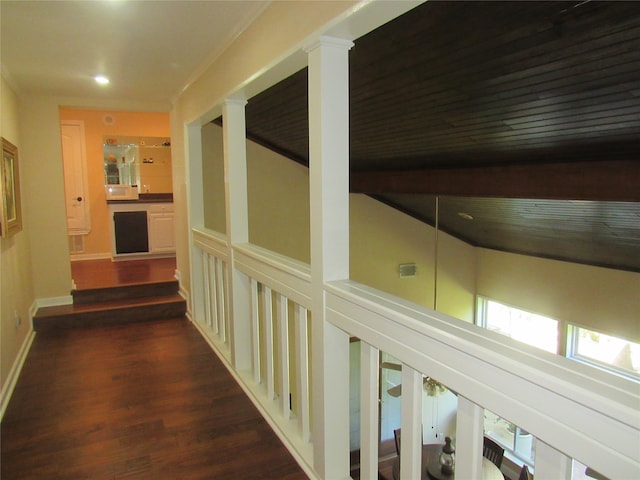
75 177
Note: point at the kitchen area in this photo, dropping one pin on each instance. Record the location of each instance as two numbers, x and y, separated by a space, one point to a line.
118 184
138 193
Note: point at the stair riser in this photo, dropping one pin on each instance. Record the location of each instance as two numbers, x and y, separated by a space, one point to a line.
109 317
124 292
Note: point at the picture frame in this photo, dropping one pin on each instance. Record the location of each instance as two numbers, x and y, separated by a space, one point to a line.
11 221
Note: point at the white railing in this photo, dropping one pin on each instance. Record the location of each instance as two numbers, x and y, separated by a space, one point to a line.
283 283
574 411
569 407
280 298
214 288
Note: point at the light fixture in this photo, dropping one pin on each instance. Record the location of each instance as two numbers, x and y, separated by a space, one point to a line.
101 79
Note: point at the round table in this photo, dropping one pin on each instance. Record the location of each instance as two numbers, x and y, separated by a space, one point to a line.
430 469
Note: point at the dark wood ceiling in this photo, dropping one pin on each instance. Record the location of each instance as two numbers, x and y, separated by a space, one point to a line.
542 97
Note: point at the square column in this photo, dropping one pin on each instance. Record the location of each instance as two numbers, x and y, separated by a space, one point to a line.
329 204
236 200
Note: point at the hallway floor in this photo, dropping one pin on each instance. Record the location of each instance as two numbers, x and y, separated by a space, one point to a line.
106 273
139 401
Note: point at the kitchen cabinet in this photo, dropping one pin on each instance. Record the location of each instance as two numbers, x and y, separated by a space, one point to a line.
161 228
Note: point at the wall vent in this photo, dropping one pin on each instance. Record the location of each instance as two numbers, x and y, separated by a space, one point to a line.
407 270
76 243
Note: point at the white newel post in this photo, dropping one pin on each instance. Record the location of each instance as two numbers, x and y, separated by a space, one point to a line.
235 167
329 204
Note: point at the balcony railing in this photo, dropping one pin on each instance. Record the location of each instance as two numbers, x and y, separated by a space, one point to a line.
574 411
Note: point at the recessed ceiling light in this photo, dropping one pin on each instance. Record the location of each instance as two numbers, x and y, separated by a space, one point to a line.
465 215
101 79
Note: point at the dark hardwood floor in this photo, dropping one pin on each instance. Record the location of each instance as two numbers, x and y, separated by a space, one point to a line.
145 401
105 273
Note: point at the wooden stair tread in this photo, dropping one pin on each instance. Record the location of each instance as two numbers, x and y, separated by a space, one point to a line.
58 310
125 286
122 292
111 293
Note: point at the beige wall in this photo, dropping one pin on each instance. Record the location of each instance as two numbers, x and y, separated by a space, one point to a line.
148 124
16 285
44 196
213 178
381 238
600 298
278 203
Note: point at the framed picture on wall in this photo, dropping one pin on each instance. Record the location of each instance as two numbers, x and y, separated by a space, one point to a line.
11 221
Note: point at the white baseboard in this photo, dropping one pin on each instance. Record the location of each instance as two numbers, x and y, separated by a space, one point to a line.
75 257
14 373
184 294
53 301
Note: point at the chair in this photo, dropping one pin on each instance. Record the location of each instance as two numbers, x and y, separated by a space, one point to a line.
396 435
492 451
525 474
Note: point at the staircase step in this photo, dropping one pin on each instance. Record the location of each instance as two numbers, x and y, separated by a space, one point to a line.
123 292
100 314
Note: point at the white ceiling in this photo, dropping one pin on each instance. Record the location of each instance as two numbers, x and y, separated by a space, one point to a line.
150 50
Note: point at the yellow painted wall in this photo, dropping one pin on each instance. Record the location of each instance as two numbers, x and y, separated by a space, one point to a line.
16 284
213 178
600 298
380 239
456 293
43 197
148 124
278 203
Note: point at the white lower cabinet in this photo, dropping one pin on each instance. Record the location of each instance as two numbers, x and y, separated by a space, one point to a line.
161 231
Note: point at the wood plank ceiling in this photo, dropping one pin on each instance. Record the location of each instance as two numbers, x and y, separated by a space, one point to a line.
528 113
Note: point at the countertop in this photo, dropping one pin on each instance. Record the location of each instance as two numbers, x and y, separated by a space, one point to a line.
146 198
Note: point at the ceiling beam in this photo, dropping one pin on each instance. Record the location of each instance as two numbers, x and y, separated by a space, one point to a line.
603 180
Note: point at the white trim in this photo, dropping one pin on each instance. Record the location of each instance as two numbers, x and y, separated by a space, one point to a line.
14 373
283 274
53 301
76 257
185 295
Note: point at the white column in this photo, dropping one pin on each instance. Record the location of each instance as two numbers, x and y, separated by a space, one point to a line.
469 438
195 208
235 167
550 463
329 202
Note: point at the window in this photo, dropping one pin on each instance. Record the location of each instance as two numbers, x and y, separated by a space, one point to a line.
611 353
519 444
588 346
527 327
